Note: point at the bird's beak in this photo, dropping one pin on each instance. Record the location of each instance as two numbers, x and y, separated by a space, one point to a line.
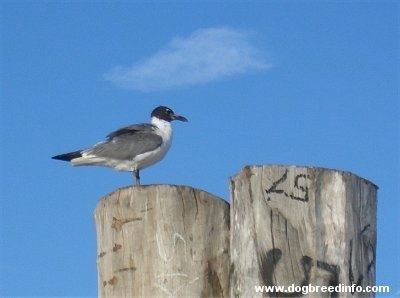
180 118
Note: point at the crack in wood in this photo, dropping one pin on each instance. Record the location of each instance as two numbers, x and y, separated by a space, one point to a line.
117 247
111 282
132 268
351 274
118 223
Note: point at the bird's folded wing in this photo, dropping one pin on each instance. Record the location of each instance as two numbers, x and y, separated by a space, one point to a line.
127 142
144 127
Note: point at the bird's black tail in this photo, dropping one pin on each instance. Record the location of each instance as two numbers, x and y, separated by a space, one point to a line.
68 156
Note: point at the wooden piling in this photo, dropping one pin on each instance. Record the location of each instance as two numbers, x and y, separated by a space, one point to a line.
162 241
301 226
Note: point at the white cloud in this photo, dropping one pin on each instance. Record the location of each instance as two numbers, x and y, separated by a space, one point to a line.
206 55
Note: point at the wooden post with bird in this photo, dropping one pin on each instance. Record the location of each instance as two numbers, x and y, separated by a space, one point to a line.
288 226
162 241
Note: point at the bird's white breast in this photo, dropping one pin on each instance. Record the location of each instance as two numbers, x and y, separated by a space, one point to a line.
164 130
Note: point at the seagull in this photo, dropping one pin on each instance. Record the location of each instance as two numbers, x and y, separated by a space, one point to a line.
130 148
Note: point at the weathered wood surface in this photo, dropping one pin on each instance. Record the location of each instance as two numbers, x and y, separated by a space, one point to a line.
162 241
301 225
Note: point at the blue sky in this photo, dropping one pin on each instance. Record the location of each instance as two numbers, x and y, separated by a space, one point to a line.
311 83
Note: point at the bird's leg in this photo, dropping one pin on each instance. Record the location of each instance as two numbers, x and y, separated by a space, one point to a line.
137 177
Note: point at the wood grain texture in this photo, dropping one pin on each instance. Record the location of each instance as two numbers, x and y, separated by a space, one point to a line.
301 225
162 240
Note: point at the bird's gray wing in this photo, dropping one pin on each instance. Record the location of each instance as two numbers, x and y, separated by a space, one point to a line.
127 142
143 127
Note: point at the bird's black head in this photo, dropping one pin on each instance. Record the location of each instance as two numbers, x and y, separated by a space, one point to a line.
166 114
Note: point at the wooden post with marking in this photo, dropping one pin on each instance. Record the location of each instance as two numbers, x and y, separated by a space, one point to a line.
306 229
300 226
162 241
